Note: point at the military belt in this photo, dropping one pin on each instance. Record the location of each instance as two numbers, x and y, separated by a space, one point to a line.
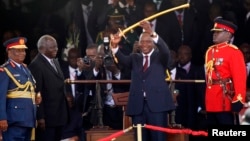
20 94
220 81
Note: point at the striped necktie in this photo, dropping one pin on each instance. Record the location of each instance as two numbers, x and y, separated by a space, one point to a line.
145 66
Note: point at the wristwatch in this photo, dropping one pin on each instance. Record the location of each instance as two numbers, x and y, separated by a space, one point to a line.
154 34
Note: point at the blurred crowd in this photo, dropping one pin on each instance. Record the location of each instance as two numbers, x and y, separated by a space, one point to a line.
31 18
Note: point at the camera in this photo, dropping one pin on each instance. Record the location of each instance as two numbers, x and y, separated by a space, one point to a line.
107 59
86 60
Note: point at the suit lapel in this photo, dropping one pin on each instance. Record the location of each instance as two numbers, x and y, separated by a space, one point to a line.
58 68
46 63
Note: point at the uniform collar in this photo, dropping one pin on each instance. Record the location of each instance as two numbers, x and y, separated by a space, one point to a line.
221 45
13 63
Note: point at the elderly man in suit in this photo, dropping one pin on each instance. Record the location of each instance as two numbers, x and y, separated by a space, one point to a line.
148 102
52 113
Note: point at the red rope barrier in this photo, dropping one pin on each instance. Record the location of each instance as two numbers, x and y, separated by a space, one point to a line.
179 131
115 135
168 130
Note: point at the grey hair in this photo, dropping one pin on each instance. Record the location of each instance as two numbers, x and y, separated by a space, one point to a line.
43 40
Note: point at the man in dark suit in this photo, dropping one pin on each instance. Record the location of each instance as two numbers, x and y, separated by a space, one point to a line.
52 113
17 95
75 96
201 115
178 90
180 27
187 97
148 102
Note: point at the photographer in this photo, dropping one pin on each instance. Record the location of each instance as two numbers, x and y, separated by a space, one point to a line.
98 64
86 66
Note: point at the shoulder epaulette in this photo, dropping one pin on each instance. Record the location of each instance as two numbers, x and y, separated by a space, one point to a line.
5 64
210 46
233 46
1 69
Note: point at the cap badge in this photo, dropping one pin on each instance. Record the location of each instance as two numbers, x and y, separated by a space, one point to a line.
21 41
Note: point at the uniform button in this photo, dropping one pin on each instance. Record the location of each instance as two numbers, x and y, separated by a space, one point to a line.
15 107
217 50
209 87
143 80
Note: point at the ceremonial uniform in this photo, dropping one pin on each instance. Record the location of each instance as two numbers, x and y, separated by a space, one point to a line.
17 97
228 62
226 88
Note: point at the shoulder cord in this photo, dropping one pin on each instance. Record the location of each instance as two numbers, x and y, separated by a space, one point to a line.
22 86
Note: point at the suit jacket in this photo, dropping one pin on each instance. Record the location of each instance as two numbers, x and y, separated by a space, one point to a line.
17 111
50 83
79 88
117 88
181 111
188 34
200 88
158 95
112 117
185 108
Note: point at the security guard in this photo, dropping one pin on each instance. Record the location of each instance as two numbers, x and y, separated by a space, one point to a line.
17 96
225 76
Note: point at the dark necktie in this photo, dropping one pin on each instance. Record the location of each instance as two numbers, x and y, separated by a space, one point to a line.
145 66
75 93
179 17
75 74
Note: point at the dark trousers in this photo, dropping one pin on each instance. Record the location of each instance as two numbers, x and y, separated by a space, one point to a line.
17 133
113 117
152 118
74 127
49 134
222 118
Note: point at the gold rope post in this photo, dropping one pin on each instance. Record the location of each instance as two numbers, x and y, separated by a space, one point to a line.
152 17
139 132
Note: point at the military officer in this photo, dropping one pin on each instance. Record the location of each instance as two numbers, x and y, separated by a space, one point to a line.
226 88
17 96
